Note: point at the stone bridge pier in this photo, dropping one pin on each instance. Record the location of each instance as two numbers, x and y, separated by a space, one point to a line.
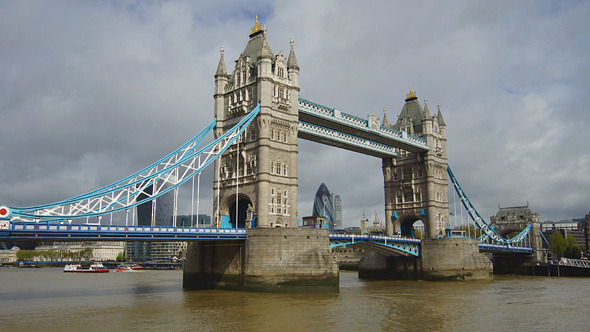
440 259
270 260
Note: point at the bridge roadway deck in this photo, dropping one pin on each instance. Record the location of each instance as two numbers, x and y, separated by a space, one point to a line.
11 231
90 232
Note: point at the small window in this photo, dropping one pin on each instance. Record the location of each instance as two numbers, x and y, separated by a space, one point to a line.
408 196
420 173
407 173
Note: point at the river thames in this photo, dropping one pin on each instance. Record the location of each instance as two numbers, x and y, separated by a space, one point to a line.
50 300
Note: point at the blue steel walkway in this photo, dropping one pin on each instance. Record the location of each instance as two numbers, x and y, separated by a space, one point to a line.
89 232
23 231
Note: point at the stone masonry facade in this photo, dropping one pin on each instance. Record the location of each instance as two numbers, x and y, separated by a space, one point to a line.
416 183
266 165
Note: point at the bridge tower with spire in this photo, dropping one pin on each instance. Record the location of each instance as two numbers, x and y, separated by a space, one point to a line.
416 182
264 171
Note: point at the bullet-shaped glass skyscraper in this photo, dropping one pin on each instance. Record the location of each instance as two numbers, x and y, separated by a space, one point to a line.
322 205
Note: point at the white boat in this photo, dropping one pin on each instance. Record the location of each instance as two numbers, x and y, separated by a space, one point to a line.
86 268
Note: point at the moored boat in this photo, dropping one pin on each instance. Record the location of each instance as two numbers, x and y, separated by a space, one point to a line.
86 268
128 268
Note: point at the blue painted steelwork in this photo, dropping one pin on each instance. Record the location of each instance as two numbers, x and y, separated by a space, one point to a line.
347 139
399 245
544 238
192 144
488 247
89 232
22 231
489 231
169 173
335 116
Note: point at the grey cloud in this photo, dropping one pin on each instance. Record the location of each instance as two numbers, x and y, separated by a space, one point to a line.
92 91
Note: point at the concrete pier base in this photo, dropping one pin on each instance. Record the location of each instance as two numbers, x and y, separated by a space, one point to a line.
440 259
454 259
376 266
511 264
270 260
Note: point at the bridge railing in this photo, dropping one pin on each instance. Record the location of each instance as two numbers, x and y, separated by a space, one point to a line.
347 139
575 262
374 237
336 115
22 231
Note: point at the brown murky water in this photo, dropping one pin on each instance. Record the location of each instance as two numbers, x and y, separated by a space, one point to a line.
50 300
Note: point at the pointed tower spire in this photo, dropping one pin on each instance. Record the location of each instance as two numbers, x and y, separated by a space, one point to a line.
221 70
385 120
441 121
426 110
292 60
265 51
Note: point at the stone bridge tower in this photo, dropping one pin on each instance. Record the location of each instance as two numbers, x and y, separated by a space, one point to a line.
416 183
265 168
510 221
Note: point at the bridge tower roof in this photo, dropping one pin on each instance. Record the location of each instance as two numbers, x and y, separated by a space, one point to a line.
411 110
257 45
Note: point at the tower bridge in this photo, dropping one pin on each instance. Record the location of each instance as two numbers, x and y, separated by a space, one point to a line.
255 244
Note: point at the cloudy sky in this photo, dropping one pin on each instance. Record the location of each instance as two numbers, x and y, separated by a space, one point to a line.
93 91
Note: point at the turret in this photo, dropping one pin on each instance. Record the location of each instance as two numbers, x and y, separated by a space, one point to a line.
427 127
292 66
442 128
221 80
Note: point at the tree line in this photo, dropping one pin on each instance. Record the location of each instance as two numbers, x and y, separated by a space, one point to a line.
54 255
564 247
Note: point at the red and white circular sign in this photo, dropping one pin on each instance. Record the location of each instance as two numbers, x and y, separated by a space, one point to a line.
4 212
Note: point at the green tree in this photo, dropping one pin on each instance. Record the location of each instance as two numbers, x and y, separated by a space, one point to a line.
572 250
86 253
25 255
557 244
121 256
